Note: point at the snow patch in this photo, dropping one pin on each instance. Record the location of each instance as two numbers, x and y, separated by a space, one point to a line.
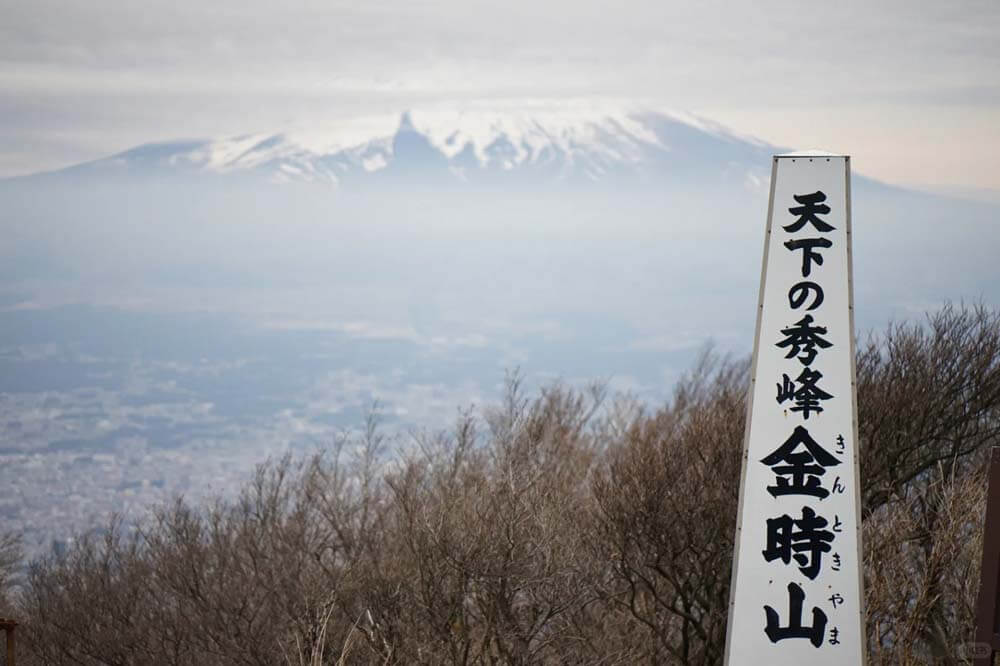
374 162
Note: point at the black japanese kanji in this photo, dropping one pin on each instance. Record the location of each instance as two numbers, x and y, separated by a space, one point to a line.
805 393
802 539
812 205
802 339
775 632
798 472
807 245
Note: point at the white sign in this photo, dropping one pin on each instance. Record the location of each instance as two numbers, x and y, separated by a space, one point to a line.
796 594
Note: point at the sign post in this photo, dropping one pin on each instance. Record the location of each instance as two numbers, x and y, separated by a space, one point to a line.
988 611
796 594
8 627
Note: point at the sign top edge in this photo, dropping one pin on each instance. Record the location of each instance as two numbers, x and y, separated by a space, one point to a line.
811 153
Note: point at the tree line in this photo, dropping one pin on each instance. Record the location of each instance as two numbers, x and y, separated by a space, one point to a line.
562 527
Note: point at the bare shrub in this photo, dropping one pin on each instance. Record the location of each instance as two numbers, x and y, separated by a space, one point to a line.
560 528
922 558
666 506
926 394
11 554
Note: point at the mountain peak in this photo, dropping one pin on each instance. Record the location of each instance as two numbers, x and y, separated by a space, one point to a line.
406 122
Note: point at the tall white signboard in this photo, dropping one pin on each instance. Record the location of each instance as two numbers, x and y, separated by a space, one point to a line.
796 595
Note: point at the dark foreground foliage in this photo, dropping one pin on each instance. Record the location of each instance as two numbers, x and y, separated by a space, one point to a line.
560 529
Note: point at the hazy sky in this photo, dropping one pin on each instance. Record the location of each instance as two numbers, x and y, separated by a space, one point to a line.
910 89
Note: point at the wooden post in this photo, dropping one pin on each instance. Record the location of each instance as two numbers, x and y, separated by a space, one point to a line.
988 612
8 627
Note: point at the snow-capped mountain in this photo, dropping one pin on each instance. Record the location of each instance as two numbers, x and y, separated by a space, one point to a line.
542 145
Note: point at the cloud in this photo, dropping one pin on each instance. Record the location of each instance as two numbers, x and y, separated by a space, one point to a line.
84 80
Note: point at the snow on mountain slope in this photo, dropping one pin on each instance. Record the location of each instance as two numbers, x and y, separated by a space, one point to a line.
540 143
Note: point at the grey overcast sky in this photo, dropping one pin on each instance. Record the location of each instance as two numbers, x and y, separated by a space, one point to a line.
910 89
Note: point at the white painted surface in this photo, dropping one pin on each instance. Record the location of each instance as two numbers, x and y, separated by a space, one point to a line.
758 581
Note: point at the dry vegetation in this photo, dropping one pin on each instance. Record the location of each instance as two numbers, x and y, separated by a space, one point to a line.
564 528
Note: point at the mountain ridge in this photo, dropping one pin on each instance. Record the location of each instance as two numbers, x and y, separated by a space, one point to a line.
547 145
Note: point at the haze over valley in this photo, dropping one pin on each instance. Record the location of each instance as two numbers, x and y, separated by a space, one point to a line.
172 315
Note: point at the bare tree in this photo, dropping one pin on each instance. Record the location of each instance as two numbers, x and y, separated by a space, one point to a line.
666 505
927 394
11 554
922 556
558 528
